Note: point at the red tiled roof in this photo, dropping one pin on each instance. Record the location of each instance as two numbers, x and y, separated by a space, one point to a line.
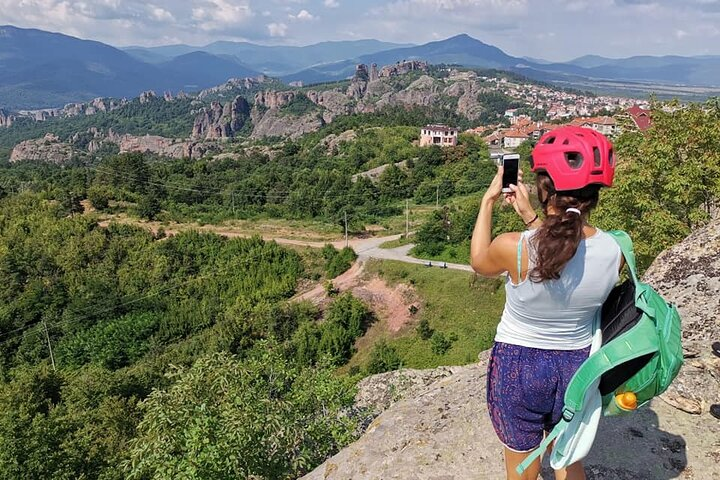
640 116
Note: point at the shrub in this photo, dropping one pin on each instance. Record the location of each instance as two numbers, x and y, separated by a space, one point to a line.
383 358
424 330
439 343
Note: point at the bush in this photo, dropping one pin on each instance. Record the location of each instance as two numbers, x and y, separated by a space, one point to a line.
424 330
337 262
99 197
383 358
439 343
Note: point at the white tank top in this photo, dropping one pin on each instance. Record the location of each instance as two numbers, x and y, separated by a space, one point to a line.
558 314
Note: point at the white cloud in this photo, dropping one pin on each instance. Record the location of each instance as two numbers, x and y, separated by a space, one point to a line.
303 16
331 3
220 14
160 14
680 34
277 29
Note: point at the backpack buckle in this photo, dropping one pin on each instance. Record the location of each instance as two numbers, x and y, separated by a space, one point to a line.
567 414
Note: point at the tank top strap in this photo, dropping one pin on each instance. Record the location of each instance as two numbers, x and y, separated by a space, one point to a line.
519 257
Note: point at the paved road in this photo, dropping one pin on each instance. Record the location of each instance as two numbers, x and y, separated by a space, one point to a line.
370 248
366 248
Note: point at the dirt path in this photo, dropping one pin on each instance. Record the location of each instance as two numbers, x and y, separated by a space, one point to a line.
391 305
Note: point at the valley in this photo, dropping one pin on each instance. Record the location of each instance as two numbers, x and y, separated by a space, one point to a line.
215 259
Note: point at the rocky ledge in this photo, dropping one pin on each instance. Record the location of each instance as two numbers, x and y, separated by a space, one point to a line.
433 424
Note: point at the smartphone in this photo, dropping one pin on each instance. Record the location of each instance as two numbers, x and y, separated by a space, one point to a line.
511 164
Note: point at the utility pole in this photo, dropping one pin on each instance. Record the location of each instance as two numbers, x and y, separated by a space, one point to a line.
47 336
346 231
437 196
407 218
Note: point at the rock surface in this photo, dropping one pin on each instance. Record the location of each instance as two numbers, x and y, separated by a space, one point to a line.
6 119
220 121
47 149
166 147
276 123
434 424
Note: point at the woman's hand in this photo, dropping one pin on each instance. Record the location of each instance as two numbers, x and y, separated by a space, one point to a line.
520 200
495 189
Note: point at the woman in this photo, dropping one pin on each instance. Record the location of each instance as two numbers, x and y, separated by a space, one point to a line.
559 272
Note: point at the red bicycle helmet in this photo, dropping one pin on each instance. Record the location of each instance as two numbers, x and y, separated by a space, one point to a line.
574 157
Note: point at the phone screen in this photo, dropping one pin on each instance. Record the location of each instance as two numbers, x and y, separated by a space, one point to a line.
510 172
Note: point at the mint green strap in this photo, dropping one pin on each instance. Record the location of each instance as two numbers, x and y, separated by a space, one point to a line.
559 428
644 341
626 246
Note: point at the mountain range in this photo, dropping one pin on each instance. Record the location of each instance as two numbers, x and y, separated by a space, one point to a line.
41 69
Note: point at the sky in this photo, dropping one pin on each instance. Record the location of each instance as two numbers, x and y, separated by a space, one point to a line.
554 30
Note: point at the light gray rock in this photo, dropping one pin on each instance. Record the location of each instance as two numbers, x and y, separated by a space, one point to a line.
48 149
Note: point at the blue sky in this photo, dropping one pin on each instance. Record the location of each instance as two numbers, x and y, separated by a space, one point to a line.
550 29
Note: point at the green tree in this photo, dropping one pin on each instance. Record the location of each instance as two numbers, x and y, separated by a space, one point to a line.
263 417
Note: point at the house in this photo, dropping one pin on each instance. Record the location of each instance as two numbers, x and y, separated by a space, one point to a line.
494 139
440 135
513 138
640 116
604 125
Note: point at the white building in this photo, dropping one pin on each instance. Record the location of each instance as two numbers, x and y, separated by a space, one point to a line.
440 135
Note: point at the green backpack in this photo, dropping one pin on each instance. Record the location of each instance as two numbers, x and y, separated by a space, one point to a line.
641 350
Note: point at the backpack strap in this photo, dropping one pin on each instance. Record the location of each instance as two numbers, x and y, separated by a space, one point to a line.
626 247
559 428
617 352
605 359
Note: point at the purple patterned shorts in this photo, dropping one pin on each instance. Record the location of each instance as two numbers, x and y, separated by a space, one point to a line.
526 390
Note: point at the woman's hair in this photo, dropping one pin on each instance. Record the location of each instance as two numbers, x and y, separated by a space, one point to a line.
557 239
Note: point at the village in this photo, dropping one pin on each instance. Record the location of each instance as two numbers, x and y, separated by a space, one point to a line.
606 114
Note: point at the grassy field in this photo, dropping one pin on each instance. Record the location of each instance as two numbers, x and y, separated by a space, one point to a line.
403 240
451 253
453 304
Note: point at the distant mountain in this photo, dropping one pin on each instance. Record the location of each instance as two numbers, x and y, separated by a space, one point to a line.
274 60
460 49
200 69
41 69
467 51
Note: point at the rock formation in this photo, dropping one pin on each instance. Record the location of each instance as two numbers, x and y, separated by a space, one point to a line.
274 123
333 102
402 68
433 424
147 96
165 147
274 99
374 75
47 149
220 121
6 119
232 85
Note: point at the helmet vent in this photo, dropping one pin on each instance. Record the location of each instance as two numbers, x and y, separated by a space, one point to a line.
574 159
611 158
596 155
566 142
550 140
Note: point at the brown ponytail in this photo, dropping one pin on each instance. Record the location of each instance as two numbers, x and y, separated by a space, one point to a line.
557 239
